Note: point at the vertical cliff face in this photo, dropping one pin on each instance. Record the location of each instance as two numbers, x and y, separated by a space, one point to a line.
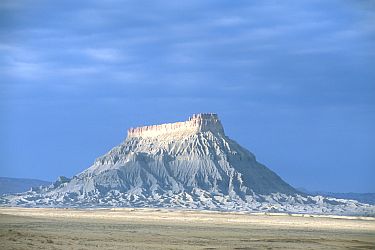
190 164
197 123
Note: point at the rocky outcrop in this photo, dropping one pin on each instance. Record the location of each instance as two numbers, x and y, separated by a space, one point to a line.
196 123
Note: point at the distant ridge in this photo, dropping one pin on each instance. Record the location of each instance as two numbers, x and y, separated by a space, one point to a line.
18 185
368 198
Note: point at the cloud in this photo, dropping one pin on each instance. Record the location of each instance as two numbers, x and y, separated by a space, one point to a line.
23 70
229 21
105 55
218 46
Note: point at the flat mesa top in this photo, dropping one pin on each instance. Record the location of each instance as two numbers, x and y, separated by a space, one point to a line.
197 123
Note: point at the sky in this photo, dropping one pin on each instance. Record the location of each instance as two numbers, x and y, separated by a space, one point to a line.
292 81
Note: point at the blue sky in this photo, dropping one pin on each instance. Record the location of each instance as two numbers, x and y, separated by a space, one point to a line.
293 81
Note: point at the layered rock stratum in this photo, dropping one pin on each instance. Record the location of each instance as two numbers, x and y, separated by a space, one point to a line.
190 164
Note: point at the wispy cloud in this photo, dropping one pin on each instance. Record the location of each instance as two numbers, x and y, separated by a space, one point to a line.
23 70
105 55
229 21
110 44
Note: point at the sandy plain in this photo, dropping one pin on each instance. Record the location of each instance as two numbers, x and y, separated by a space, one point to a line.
48 228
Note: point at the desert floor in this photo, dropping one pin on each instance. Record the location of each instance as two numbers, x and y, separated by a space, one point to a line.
36 228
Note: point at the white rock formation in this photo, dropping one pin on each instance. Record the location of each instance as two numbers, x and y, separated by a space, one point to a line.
195 124
190 164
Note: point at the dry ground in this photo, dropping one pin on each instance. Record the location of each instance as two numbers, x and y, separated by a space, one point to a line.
33 228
